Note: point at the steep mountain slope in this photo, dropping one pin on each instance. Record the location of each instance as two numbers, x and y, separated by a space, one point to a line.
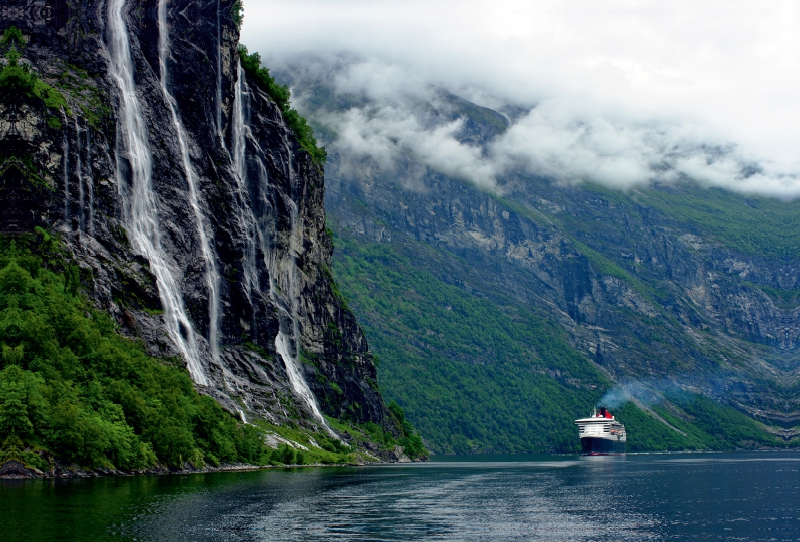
475 296
182 194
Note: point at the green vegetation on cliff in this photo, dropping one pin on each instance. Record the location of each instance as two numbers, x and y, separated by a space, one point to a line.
479 376
729 218
73 388
472 376
280 94
18 82
702 425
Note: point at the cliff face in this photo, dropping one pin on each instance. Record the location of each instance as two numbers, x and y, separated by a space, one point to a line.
673 287
639 293
196 218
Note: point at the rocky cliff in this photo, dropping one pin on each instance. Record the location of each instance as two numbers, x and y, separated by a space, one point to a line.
672 287
196 218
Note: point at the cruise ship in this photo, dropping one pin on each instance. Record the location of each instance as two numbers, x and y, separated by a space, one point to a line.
601 434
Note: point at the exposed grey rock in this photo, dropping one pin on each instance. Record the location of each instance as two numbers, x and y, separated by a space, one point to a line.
67 47
645 294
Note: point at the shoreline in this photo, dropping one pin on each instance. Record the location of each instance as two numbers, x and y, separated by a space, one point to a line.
16 470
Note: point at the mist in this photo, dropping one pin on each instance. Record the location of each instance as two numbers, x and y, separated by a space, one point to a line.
646 392
620 93
386 112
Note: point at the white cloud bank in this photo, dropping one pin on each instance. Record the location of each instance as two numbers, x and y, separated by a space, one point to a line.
625 91
556 141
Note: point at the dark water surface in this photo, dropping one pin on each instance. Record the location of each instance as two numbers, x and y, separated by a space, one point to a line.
732 496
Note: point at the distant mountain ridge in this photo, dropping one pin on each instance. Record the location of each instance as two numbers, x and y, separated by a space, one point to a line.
501 313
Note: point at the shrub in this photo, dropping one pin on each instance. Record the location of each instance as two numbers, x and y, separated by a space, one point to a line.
72 385
410 440
12 36
283 454
237 13
18 82
280 94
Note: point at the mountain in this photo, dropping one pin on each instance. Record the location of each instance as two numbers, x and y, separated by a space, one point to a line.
503 304
147 179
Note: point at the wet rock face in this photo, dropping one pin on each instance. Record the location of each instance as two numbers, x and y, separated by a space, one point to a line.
642 294
70 169
658 301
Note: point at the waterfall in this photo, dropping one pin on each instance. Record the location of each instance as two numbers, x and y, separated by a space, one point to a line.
212 275
219 77
239 128
247 221
288 349
297 381
79 176
90 177
292 362
66 167
140 207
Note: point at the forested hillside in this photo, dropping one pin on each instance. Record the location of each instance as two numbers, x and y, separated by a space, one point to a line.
501 312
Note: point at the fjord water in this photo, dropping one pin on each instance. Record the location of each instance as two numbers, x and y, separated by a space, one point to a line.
733 496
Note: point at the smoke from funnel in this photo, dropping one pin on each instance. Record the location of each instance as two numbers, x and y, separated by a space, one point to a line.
614 398
647 392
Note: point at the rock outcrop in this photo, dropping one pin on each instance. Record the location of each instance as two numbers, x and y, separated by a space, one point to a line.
196 218
643 296
645 282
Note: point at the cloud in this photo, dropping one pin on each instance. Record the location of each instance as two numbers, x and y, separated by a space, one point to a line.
381 82
557 141
391 115
553 141
625 91
387 113
390 132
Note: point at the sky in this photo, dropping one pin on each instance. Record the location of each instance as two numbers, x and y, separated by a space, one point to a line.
618 85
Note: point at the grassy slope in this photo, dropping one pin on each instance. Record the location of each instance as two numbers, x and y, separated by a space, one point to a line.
752 225
477 376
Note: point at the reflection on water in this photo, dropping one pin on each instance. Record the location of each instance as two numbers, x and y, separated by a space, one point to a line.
740 496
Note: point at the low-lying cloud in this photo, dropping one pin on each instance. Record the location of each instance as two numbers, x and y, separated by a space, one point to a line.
618 92
554 140
386 133
388 113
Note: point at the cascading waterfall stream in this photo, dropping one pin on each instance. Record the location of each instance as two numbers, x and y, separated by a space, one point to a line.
219 77
292 361
212 275
66 166
247 220
141 217
292 275
287 348
79 176
90 177
299 385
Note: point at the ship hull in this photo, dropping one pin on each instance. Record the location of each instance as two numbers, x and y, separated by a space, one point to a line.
602 446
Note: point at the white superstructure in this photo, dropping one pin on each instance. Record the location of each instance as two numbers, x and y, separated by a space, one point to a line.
601 433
